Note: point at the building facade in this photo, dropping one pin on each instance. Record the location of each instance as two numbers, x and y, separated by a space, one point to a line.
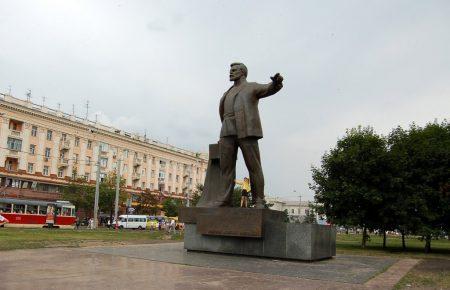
296 210
41 149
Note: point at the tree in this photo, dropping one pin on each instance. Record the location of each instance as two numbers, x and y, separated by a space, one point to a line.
147 203
351 179
171 206
422 177
107 194
80 194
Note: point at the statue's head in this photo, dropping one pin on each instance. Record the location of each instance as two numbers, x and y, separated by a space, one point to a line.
237 71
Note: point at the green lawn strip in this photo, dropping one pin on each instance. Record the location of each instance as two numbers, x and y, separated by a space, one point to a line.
429 273
13 238
351 245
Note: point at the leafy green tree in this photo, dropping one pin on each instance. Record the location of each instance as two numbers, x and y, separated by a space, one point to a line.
351 179
422 177
81 194
171 206
107 194
147 203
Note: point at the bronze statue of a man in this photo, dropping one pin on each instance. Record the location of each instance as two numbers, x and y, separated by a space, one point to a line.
241 128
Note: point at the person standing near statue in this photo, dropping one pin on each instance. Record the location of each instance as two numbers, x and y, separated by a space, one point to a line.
241 128
245 190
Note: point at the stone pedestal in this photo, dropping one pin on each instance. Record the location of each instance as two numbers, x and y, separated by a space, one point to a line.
255 232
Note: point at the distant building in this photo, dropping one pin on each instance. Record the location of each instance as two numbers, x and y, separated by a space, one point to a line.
296 210
41 149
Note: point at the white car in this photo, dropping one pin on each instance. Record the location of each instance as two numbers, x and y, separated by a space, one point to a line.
132 222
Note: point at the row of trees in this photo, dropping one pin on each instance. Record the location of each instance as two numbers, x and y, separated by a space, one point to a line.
396 182
82 195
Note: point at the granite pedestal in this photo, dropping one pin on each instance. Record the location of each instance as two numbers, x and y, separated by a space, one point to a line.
255 232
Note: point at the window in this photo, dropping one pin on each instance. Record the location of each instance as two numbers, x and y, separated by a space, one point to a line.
77 142
32 149
306 211
143 185
45 171
89 144
49 135
144 158
104 162
176 189
151 186
30 168
47 152
103 147
86 176
75 158
170 189
88 160
14 144
177 178
60 173
162 175
170 176
292 211
125 153
34 131
125 168
102 176
64 136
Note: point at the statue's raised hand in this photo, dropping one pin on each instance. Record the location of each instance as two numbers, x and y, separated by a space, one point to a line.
277 79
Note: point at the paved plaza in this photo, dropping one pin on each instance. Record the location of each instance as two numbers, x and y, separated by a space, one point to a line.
169 266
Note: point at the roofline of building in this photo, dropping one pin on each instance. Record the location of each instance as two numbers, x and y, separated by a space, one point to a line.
30 108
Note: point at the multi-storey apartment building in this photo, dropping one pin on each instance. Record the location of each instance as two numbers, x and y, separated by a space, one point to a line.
41 149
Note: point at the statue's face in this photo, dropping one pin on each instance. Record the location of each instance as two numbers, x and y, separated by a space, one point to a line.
235 73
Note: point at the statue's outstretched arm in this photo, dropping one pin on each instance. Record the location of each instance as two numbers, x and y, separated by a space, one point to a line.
269 89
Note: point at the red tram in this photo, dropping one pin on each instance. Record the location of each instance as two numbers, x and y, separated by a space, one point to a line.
37 214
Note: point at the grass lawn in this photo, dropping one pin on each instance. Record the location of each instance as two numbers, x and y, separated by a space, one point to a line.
432 272
18 238
351 245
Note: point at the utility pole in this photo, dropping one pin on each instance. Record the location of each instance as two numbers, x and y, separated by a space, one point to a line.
97 190
116 203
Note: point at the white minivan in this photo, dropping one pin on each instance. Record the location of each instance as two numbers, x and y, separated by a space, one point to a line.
132 221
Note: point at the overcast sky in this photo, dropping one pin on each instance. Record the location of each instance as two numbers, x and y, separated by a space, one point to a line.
162 66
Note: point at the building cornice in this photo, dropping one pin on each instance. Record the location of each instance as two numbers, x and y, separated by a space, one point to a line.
96 128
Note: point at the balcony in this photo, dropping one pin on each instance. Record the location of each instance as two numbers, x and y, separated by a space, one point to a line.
63 162
15 133
13 152
65 145
137 162
136 176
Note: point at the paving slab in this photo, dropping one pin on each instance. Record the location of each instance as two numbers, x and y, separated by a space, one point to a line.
168 266
347 269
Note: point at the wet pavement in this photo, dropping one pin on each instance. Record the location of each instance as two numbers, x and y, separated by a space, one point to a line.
169 266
